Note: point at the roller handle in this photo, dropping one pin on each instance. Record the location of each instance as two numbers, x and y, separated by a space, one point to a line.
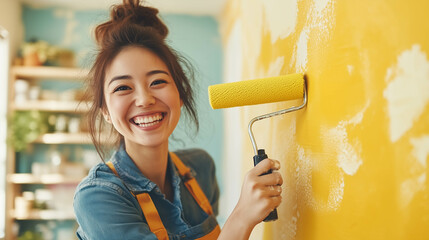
257 159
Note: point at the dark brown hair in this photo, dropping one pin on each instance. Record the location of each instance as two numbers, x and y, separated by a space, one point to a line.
132 24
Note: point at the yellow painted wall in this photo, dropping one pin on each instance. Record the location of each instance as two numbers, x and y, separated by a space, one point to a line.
355 160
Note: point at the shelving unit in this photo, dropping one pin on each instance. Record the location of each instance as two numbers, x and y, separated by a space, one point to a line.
44 215
16 181
27 178
52 106
64 138
43 72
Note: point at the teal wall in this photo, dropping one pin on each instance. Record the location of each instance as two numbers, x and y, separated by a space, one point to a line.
195 37
65 28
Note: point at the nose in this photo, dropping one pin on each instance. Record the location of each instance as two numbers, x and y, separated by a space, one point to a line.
144 98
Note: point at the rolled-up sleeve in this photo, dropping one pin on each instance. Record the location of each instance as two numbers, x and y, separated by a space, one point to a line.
103 212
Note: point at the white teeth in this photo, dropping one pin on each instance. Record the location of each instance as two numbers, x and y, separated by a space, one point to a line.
145 121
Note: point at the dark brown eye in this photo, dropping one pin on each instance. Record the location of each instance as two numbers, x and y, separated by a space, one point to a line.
158 82
121 88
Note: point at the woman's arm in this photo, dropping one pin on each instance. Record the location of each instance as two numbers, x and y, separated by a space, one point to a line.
260 194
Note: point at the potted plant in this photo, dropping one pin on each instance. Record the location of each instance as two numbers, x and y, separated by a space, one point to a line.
37 53
25 127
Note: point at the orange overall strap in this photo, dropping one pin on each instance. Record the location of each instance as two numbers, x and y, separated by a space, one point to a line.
192 184
112 167
149 211
152 216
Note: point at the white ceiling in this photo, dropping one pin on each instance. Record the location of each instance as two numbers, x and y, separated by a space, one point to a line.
193 7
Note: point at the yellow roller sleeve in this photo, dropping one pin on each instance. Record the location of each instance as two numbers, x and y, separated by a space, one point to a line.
257 91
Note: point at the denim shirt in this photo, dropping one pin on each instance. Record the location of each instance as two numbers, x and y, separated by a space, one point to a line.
106 209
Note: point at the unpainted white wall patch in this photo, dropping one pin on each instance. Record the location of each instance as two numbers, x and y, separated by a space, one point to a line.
281 18
407 90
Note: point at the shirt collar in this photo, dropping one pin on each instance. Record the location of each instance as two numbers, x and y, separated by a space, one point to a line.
135 180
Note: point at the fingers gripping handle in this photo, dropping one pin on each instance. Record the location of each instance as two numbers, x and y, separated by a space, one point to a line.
256 159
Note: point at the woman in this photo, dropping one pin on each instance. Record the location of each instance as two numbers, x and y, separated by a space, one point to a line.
144 191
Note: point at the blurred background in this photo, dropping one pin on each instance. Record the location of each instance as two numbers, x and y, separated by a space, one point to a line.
354 161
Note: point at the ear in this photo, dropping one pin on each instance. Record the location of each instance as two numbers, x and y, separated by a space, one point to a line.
181 103
106 115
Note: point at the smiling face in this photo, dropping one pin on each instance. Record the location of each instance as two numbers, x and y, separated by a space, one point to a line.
142 100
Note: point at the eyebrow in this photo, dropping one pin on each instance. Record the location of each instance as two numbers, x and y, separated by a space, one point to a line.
122 77
156 72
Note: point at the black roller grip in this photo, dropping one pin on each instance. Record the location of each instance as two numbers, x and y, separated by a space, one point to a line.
257 159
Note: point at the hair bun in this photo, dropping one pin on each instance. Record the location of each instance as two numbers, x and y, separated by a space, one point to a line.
132 12
128 14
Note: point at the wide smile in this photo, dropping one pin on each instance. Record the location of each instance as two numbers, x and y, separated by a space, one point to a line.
148 120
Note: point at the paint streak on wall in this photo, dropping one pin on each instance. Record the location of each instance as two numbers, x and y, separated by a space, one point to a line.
348 154
301 51
421 149
354 162
412 186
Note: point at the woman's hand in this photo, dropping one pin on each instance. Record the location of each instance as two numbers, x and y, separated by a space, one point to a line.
260 194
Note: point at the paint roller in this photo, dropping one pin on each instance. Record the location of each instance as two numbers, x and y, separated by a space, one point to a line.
259 91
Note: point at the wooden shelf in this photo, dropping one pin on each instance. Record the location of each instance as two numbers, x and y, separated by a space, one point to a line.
28 178
43 72
52 106
44 215
61 185
64 138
